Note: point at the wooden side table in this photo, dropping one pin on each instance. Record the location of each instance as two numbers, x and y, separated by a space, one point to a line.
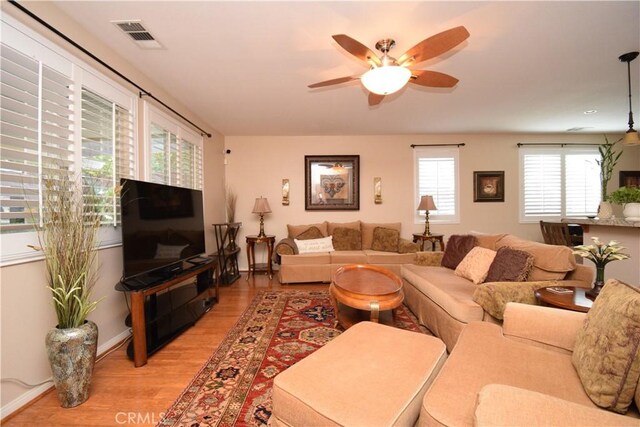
251 257
433 238
567 297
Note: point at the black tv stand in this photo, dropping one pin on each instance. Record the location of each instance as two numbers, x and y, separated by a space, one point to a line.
163 310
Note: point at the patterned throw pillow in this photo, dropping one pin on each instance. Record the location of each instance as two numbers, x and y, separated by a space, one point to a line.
607 350
310 233
347 239
510 265
385 239
312 246
475 264
456 249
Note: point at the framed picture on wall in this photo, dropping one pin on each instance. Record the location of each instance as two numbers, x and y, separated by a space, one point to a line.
629 179
488 186
332 183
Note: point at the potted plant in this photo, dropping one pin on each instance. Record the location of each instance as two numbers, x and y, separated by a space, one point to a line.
629 197
68 237
608 160
600 254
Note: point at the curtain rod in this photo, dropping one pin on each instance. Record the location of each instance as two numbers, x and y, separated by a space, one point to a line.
142 93
462 144
554 144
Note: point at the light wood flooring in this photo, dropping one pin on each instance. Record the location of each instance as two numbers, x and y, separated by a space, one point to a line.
124 395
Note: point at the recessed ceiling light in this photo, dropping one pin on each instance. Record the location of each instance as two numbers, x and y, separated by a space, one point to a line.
590 111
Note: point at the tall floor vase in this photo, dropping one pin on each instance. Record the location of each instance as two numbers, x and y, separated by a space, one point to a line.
598 284
72 354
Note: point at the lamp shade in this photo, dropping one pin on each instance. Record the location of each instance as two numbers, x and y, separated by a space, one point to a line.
631 138
386 80
427 204
261 206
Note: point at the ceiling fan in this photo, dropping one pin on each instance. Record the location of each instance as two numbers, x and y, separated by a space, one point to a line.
388 75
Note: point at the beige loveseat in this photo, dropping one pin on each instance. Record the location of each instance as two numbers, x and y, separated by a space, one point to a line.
445 302
532 371
355 242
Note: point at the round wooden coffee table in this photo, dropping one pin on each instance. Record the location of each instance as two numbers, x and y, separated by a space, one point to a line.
567 297
365 287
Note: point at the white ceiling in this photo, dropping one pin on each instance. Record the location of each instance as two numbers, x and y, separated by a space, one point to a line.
244 67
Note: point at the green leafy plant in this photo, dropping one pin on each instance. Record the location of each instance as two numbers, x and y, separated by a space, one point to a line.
624 195
609 159
68 239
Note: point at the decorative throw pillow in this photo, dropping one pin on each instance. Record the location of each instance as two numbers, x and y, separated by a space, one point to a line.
311 246
510 265
457 248
607 350
310 233
294 230
385 239
347 239
169 251
475 264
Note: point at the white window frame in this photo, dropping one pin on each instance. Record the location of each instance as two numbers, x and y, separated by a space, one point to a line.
15 246
434 152
562 151
154 115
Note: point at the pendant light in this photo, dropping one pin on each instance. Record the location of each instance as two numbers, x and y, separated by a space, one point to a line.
631 136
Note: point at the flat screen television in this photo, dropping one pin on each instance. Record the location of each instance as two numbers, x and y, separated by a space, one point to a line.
162 226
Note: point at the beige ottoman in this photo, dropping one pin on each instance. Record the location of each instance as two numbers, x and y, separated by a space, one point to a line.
371 375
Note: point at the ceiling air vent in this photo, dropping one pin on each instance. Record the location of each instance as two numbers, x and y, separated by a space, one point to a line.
138 33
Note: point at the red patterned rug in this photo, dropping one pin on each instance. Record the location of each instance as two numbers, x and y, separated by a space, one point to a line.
276 330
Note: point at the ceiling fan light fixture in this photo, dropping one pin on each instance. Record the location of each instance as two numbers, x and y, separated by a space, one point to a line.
386 80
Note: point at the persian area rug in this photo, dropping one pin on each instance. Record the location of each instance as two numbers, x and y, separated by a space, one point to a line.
276 330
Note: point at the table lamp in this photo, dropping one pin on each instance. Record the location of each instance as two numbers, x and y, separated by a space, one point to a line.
426 204
261 207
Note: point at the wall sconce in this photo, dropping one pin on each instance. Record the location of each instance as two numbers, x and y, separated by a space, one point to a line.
377 190
285 192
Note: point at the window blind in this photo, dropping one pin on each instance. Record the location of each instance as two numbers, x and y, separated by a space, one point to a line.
36 131
542 184
436 175
582 183
174 161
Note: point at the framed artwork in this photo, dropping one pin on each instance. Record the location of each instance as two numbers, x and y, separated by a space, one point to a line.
488 186
331 183
629 179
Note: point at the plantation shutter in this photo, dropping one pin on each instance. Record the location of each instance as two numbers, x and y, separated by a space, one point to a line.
107 152
436 176
542 184
36 132
174 161
582 183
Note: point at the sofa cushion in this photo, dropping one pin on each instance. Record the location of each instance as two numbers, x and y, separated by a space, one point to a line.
379 257
347 239
452 293
295 230
367 231
487 240
484 356
510 265
348 257
385 239
550 262
286 246
311 246
458 246
310 233
306 259
475 264
354 225
607 349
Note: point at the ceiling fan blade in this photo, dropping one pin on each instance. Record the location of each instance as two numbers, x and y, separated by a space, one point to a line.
333 81
432 79
356 48
435 45
375 99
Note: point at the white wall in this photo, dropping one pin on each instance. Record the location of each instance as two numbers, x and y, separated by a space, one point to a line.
257 165
25 304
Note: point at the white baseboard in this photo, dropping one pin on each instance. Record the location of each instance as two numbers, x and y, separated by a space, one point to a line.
34 393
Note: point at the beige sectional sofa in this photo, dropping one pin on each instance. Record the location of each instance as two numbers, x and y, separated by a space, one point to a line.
445 302
360 249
